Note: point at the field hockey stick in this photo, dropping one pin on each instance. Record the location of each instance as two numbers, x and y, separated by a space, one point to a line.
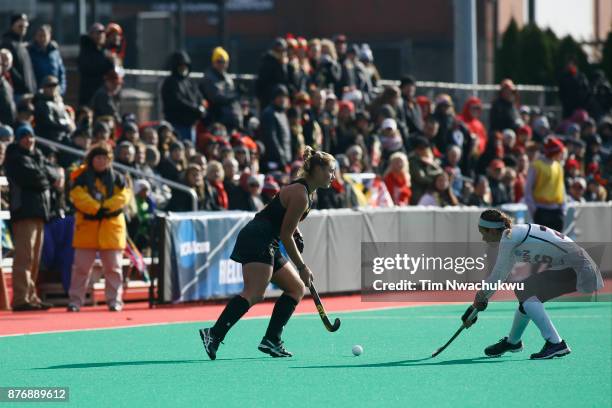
317 300
463 326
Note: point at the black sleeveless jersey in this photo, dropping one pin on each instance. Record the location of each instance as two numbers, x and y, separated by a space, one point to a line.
274 212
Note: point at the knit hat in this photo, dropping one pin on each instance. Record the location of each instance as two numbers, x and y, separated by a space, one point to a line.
525 129
279 90
141 184
553 146
218 54
6 132
270 187
22 131
572 164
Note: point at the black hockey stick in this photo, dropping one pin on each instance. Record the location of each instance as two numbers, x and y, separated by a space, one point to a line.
441 349
317 300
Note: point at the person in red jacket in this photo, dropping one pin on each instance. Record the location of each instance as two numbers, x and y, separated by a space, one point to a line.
397 179
472 109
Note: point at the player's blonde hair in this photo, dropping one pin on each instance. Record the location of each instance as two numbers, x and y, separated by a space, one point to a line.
314 158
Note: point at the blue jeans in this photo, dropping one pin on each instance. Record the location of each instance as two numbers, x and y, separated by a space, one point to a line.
185 132
57 251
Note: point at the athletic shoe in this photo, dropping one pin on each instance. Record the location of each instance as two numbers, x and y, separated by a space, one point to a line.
502 347
211 342
115 308
551 350
73 308
44 305
26 307
274 349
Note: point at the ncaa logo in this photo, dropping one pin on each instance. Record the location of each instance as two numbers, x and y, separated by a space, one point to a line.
188 245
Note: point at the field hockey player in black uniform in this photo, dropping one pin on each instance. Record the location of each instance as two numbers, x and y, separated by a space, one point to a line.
257 249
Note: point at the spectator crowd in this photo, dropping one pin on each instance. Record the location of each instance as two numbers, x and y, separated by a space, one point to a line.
236 145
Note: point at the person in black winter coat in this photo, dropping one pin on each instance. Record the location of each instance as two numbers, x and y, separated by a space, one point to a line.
181 98
275 132
601 96
8 110
573 89
172 167
93 62
24 81
410 113
107 99
272 72
30 178
51 118
219 89
504 114
238 198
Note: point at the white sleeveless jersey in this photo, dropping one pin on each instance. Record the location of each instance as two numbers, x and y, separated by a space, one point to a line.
538 245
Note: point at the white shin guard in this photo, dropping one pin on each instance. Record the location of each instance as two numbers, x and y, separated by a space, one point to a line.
519 324
535 310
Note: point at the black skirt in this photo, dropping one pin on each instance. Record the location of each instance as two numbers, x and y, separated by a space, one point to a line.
257 242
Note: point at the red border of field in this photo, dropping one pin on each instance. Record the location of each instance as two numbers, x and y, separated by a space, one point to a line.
139 314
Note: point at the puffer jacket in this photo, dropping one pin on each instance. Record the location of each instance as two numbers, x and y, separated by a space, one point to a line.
90 192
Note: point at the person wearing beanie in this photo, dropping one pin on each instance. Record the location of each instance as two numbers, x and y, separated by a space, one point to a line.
106 101
99 196
221 92
115 42
30 178
545 188
275 131
6 134
273 71
269 189
184 105
93 62
141 226
22 73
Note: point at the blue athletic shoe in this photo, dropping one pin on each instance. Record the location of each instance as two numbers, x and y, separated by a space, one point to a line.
551 350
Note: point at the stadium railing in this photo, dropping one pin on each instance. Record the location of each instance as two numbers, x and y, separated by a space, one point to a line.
543 97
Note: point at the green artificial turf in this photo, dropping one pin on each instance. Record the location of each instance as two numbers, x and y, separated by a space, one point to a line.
165 366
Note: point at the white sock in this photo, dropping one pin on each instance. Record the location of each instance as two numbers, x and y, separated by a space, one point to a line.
519 325
535 311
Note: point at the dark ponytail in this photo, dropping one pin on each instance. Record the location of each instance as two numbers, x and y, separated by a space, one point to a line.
494 215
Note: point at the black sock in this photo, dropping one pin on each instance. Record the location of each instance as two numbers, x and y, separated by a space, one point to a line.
283 309
235 309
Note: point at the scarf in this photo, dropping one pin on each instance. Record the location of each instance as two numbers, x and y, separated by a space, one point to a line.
222 199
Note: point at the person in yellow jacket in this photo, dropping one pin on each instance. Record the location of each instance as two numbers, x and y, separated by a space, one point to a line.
99 195
545 186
